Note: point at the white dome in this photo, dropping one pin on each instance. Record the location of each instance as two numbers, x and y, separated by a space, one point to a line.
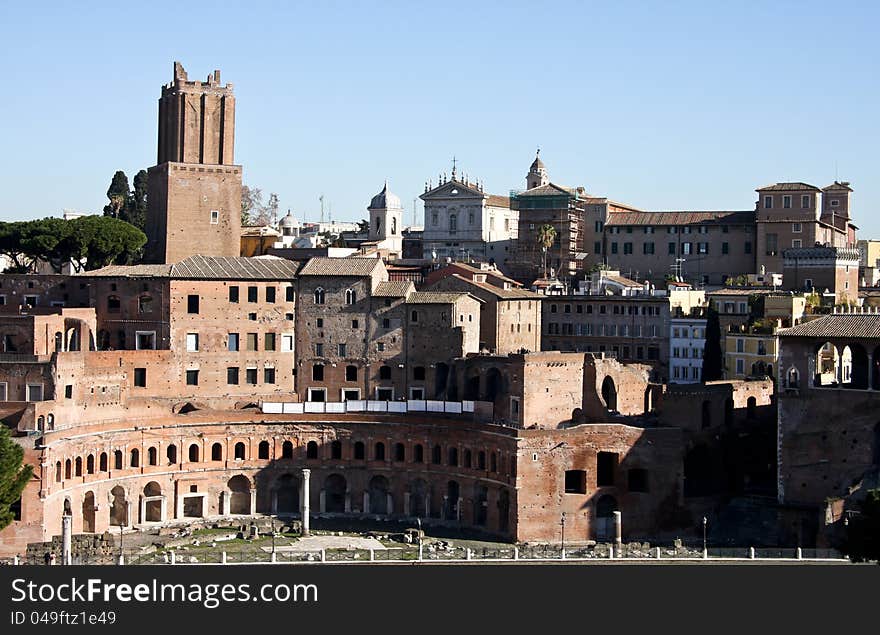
289 221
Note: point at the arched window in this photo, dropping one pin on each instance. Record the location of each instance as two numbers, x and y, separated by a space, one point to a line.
263 450
453 457
436 455
90 464
117 459
418 454
67 472
145 304
385 372
50 421
135 459
239 451
216 452
453 222
494 458
193 453
78 466
793 378
319 295
336 449
350 296
113 304
399 452
379 454
171 453
311 450
481 460
359 450
41 423
287 450
57 471
467 458
102 462
152 456
393 225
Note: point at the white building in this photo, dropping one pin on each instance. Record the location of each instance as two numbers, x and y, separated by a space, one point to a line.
464 223
386 222
687 339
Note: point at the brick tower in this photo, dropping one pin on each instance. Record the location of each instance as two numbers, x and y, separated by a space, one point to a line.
194 203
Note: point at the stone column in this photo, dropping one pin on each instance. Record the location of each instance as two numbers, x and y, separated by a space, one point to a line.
306 473
618 531
163 514
128 522
367 508
253 501
347 500
65 539
142 508
323 502
445 507
274 507
406 503
389 504
224 503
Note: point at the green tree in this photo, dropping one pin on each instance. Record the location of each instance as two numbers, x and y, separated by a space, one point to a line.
118 193
546 238
252 204
713 368
136 207
862 540
13 475
107 241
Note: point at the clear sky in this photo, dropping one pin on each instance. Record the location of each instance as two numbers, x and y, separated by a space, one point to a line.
662 105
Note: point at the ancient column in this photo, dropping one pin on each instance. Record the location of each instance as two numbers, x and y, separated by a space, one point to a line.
306 473
618 531
65 539
253 501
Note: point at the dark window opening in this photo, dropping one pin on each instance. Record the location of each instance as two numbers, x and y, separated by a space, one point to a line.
606 465
575 481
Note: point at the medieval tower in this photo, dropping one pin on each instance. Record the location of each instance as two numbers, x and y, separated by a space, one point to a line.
194 204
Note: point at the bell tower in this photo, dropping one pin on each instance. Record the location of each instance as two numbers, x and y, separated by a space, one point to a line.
194 203
537 175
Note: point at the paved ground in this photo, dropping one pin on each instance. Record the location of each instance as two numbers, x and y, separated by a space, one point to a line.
316 543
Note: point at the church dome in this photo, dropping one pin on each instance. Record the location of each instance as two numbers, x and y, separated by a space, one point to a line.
385 200
289 220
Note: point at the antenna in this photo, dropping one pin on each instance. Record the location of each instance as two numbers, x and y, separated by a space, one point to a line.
321 198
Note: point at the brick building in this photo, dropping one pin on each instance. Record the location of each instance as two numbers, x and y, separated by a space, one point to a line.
195 186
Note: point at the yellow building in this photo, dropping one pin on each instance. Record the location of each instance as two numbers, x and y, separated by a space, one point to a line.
750 354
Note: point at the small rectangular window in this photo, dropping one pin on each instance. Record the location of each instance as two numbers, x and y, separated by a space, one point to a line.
192 342
232 342
233 294
215 216
319 350
288 294
68 392
268 375
606 465
341 350
232 375
270 295
575 482
140 377
252 294
192 378
250 375
252 341
192 304
269 342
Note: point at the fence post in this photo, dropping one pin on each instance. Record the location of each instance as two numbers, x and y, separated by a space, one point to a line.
15 559
516 553
563 553
372 555
323 555
272 559
611 552
468 554
173 558
799 554
222 557
752 553
705 554
658 553
121 559
420 550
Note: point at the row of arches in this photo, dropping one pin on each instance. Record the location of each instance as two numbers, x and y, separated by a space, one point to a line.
842 365
483 460
282 495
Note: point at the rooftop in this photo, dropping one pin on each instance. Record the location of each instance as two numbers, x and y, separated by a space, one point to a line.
358 267
854 325
434 297
207 268
788 187
394 289
743 217
504 294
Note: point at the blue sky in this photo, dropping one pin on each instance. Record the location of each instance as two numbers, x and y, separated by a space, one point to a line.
662 105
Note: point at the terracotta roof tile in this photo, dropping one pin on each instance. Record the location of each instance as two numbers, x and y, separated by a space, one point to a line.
854 325
357 267
433 297
788 187
394 289
681 218
235 268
